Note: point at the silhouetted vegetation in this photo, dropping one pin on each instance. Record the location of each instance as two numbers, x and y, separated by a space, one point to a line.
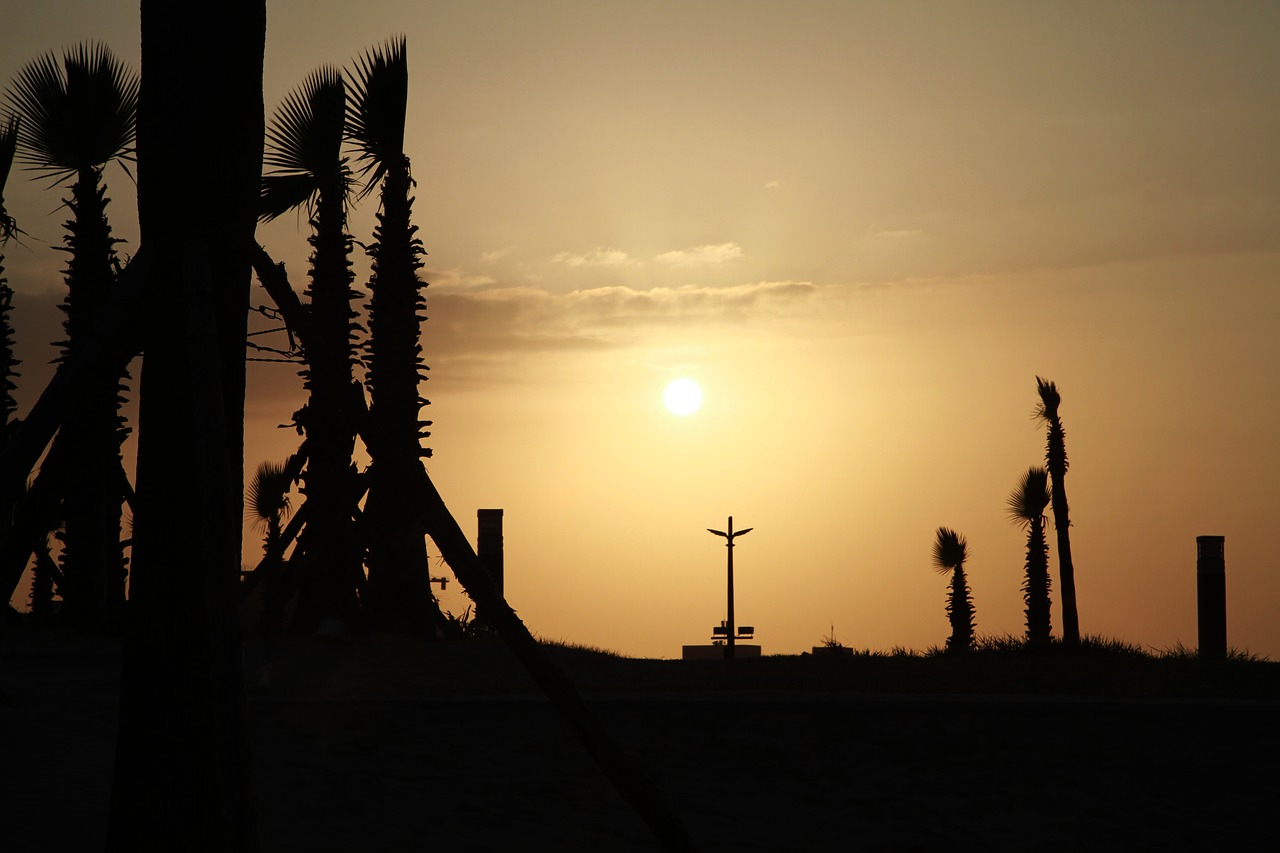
77 116
950 550
306 167
182 770
1056 462
267 501
1026 506
399 592
304 152
8 228
465 625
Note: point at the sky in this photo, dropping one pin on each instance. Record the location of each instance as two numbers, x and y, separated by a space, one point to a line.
864 228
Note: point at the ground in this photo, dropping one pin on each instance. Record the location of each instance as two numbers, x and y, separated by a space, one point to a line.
379 745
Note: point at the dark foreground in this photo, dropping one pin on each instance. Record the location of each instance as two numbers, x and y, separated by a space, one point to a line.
381 746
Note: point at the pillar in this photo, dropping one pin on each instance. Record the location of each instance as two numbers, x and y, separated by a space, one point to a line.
1211 596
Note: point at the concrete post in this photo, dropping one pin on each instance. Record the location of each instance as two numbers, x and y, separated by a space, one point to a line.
1211 596
489 545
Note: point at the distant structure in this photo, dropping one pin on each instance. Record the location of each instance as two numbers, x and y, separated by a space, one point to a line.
1211 596
729 632
489 548
725 635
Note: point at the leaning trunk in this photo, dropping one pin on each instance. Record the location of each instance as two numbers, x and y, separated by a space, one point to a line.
635 786
182 777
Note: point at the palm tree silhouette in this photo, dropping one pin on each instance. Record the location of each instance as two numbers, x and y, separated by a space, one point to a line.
267 501
1026 508
397 560
950 550
306 167
1056 461
77 116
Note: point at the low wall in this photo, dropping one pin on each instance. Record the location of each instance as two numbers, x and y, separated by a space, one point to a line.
717 652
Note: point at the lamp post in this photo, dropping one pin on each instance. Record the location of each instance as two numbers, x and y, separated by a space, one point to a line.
731 630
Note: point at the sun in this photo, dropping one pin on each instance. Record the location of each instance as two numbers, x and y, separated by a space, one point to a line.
682 397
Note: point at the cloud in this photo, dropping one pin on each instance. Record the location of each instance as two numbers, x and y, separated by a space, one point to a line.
772 185
486 324
455 279
898 234
598 257
624 305
701 256
496 254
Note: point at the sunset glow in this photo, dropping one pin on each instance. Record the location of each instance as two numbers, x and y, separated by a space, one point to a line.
865 228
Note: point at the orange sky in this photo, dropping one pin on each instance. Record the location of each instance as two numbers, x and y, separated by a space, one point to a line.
864 228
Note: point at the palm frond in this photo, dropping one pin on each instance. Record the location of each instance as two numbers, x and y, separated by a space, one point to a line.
77 114
303 150
1028 499
950 550
376 108
1050 399
268 492
282 193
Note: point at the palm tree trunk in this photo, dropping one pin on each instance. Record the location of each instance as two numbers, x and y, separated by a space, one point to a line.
104 352
330 541
400 595
8 362
182 777
960 609
93 559
1066 570
1036 587
1056 463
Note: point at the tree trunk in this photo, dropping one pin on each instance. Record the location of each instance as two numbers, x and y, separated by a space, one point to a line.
1066 569
1036 587
92 558
400 597
105 351
634 786
182 776
331 554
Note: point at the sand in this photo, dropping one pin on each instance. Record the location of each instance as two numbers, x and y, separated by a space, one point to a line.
385 746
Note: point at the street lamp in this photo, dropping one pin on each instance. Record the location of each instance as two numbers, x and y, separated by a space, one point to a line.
728 650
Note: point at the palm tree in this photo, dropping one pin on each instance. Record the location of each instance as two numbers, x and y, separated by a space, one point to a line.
267 501
78 115
1056 461
1026 508
950 550
306 167
399 592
